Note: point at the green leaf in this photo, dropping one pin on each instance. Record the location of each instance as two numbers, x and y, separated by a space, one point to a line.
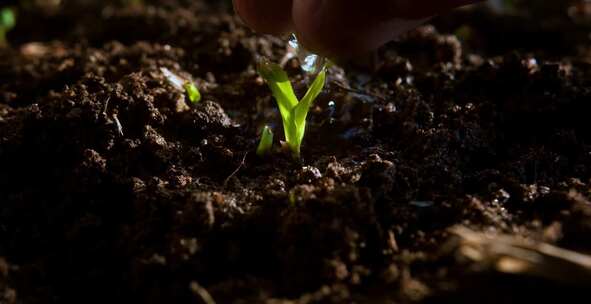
266 142
192 92
283 93
303 107
7 22
7 19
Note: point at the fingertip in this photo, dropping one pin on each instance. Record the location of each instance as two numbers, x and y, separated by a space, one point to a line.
315 28
265 16
346 28
338 28
416 9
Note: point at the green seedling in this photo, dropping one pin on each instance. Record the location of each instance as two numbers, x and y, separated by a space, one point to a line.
293 112
7 23
266 142
182 85
192 92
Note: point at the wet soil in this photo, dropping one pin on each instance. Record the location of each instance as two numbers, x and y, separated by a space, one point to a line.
113 187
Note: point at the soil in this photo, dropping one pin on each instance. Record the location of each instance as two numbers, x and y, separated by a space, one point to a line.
114 188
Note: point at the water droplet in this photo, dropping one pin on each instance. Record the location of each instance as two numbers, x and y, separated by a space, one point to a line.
331 111
293 43
309 62
332 108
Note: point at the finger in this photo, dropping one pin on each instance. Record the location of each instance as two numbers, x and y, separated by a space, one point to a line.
345 28
341 28
423 8
266 16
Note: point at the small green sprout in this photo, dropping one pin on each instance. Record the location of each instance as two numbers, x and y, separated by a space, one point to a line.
7 22
192 92
182 85
293 112
266 142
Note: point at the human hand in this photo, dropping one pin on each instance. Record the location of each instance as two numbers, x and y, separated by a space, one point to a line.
341 28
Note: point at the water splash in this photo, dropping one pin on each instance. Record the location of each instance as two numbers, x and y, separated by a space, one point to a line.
309 62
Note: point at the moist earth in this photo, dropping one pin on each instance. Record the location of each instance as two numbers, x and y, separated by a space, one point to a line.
115 187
